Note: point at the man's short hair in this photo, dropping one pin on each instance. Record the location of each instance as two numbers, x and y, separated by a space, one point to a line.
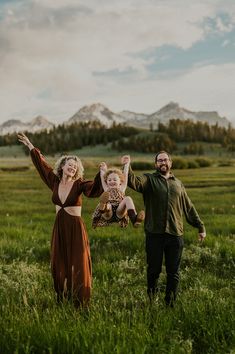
162 152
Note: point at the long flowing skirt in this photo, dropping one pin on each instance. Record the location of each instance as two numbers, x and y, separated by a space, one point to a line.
70 258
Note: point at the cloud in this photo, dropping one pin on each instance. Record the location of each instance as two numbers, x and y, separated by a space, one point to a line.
205 88
58 55
225 43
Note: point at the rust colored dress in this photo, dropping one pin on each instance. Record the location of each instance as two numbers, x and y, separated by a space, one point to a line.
70 250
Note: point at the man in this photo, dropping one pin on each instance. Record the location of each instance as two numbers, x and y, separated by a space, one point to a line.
166 202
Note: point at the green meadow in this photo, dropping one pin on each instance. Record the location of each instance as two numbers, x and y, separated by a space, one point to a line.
120 319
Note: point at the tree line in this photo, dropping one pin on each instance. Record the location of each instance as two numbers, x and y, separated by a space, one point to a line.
75 136
166 137
122 137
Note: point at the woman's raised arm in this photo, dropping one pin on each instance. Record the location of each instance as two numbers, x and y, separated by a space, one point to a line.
44 169
25 140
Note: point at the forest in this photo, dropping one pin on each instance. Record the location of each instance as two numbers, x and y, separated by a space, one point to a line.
65 138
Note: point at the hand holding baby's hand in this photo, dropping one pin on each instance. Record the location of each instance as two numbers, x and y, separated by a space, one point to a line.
125 159
103 166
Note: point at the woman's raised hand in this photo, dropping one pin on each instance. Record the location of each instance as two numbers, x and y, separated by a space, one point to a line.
25 140
103 167
126 159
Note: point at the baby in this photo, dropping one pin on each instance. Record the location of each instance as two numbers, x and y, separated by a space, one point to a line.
114 206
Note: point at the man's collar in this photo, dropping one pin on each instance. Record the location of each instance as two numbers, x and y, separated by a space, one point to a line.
158 174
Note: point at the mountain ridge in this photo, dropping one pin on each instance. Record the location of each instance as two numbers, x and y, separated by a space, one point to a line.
104 115
38 123
96 111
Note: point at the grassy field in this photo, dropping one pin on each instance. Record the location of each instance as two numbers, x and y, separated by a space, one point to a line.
120 319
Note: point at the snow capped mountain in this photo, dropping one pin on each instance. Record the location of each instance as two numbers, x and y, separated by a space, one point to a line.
173 111
99 112
133 118
14 126
40 123
95 112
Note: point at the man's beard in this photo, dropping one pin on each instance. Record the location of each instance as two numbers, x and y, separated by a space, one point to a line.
165 171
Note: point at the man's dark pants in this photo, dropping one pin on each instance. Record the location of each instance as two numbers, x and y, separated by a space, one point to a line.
171 247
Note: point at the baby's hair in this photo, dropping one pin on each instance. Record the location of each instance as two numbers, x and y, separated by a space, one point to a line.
114 170
62 161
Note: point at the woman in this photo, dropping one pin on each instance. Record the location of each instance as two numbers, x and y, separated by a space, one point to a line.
70 252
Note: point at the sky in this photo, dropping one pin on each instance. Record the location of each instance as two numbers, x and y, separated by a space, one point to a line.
58 55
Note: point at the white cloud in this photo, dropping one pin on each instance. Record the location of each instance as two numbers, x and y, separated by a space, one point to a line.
208 88
50 49
226 43
222 27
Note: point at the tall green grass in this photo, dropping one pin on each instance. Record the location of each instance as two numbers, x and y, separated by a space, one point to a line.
120 319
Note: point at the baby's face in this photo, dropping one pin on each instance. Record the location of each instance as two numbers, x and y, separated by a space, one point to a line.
113 180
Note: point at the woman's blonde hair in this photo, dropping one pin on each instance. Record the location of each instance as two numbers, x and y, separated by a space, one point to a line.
62 161
114 170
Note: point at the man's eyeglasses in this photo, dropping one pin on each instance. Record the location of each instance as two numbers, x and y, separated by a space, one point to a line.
162 160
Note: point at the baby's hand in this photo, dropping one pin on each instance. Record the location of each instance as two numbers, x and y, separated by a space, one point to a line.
126 159
103 166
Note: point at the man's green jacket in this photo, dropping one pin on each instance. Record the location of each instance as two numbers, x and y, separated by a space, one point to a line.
166 201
